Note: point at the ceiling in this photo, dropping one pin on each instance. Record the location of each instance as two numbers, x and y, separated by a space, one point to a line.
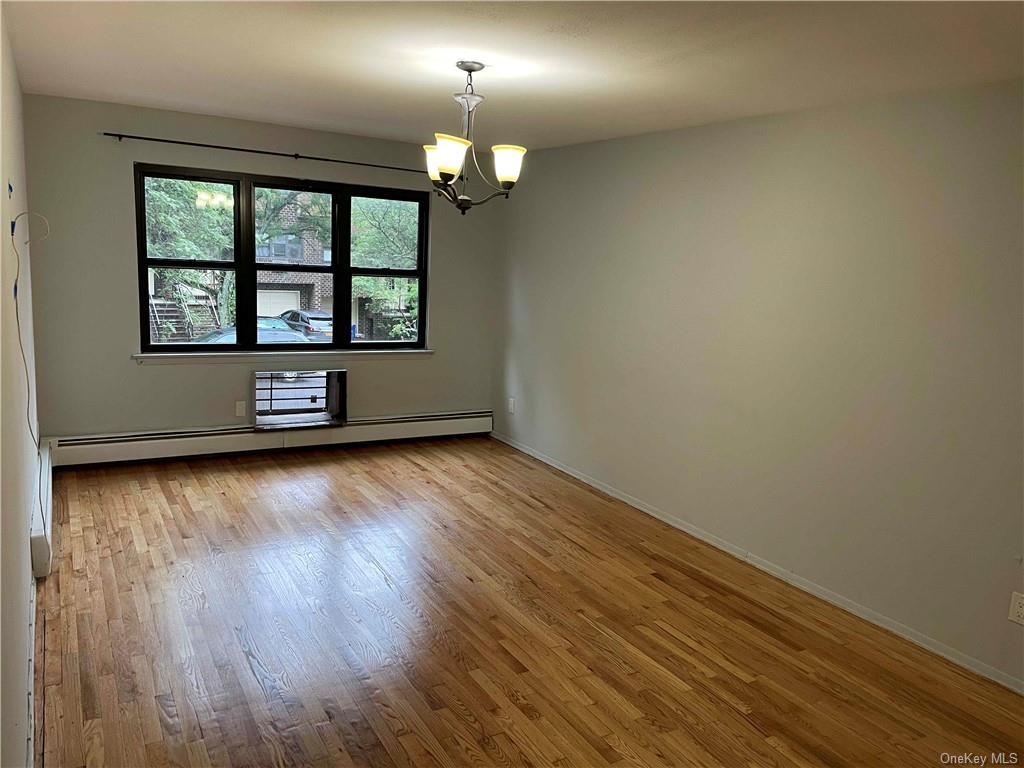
558 73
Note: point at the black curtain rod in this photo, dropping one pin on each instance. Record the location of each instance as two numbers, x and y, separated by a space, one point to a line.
293 155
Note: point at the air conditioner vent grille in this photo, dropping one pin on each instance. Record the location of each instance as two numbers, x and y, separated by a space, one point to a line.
299 398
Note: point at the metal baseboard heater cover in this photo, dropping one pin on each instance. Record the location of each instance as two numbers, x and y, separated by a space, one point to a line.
142 446
41 533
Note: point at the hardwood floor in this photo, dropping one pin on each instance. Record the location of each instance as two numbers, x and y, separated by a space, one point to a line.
451 603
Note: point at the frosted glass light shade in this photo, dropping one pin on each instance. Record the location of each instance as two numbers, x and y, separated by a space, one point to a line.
508 162
432 158
451 153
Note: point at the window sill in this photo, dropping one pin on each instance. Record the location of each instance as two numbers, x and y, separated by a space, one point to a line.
247 358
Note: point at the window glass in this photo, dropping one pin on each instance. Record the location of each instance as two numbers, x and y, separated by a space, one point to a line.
191 220
191 306
299 300
385 233
292 227
385 308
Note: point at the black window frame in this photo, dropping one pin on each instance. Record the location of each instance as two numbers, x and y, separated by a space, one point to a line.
246 267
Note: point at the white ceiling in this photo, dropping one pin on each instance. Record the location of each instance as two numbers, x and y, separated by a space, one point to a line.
558 73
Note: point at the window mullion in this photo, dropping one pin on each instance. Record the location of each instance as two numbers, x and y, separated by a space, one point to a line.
245 278
190 264
422 243
341 262
384 272
145 336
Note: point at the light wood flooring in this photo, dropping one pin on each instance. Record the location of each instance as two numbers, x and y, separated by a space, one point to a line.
452 603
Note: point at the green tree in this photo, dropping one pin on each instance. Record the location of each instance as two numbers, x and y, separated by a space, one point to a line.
385 233
178 228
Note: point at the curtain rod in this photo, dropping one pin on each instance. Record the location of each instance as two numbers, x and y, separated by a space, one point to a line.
293 155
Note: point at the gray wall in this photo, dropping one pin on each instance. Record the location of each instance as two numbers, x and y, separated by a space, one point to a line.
17 451
87 306
801 334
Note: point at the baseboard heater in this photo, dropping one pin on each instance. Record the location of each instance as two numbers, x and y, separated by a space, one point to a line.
67 451
41 533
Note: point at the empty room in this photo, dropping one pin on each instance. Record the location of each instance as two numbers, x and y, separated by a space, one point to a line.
515 384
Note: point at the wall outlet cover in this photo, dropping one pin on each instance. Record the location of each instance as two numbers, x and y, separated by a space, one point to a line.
1017 608
240 407
511 405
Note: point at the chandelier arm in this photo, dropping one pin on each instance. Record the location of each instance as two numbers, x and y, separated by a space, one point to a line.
448 194
465 203
472 149
482 177
499 193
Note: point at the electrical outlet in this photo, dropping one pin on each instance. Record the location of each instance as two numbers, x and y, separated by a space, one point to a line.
240 407
511 405
1017 608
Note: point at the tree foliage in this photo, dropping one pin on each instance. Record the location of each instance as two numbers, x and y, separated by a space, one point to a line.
385 233
176 228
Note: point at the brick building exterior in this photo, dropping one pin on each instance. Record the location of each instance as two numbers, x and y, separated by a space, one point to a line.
280 291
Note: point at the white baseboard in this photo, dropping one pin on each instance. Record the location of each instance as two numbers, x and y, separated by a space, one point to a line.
908 633
135 447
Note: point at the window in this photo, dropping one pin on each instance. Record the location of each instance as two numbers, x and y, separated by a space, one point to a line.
248 263
187 267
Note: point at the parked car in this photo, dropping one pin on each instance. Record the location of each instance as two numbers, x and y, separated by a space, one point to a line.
269 330
316 324
271 323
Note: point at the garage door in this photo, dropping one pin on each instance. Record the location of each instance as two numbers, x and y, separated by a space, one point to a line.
276 302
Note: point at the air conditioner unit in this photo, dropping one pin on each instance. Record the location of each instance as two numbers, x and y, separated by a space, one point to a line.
290 399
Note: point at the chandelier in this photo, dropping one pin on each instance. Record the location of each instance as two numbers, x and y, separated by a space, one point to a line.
446 158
